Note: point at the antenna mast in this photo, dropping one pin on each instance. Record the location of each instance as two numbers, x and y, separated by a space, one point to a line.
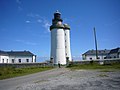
95 43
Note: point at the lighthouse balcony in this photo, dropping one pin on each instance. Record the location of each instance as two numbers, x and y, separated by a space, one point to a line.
60 26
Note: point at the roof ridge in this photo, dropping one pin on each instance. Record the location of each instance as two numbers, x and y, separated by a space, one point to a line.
19 53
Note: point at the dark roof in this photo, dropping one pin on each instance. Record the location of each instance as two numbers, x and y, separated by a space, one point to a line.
16 53
100 52
20 53
119 50
116 50
3 53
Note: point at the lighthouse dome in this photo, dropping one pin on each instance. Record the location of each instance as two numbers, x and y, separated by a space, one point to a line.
66 26
57 12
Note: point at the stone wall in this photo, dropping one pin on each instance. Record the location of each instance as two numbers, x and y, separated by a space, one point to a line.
104 61
24 65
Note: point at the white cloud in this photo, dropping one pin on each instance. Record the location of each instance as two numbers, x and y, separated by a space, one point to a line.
19 5
117 21
26 42
46 25
30 43
33 15
18 1
20 8
68 20
27 21
39 20
3 29
37 15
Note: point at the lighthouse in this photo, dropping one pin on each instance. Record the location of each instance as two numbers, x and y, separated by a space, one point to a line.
60 40
67 42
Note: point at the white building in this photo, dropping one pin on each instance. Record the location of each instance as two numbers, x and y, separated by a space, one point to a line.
4 57
91 54
114 53
17 57
60 40
102 54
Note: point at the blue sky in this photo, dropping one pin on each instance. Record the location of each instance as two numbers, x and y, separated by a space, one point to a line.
24 24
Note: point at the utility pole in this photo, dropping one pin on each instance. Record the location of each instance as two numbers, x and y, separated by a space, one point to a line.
95 43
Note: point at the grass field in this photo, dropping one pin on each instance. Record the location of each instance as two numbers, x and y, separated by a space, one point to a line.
95 66
9 72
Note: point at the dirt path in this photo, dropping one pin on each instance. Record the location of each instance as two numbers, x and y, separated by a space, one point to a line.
64 79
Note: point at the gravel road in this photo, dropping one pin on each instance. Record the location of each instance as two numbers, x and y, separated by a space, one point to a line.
65 79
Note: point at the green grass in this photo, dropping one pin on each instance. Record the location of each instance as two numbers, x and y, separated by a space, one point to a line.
95 66
9 72
103 75
107 70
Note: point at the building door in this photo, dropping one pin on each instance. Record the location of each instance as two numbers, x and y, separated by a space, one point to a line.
12 60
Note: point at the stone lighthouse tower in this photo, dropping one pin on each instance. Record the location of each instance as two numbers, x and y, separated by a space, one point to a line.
59 40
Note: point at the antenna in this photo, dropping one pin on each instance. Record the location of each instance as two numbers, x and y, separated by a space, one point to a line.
95 43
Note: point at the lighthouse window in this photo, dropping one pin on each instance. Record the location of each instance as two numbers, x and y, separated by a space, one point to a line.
65 34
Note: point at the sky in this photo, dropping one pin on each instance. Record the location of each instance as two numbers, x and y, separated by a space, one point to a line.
24 25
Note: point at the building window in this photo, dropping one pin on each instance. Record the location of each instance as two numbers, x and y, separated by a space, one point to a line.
90 58
98 58
65 46
105 57
3 60
12 60
114 56
19 60
7 60
65 34
27 60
